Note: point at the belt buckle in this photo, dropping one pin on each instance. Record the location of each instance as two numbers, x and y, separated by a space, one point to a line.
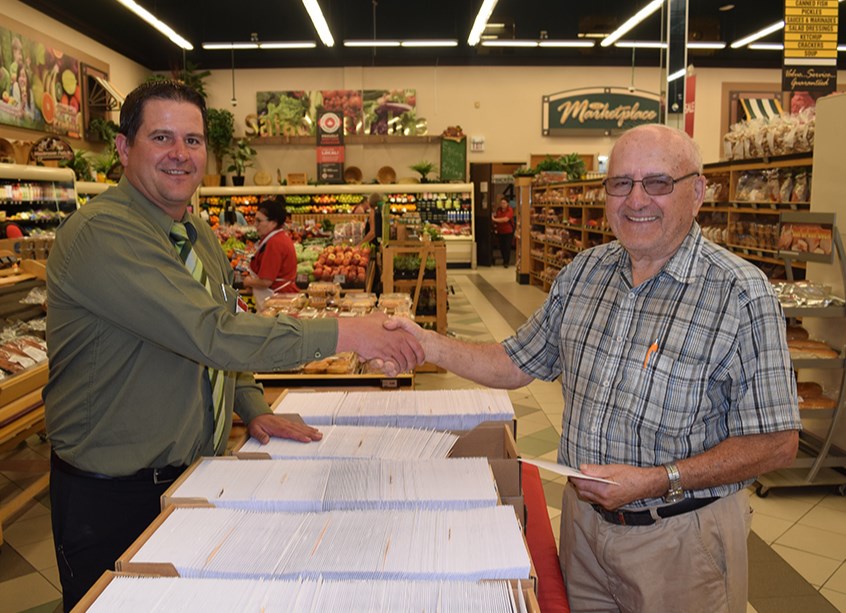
157 479
621 517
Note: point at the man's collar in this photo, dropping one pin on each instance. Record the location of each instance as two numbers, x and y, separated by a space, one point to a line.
149 209
681 266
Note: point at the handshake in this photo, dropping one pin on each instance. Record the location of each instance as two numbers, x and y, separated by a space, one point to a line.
390 344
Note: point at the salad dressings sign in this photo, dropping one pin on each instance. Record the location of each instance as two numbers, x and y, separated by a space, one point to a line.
810 46
600 109
39 86
371 111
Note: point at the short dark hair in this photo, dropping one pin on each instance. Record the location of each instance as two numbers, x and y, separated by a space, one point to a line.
132 110
274 210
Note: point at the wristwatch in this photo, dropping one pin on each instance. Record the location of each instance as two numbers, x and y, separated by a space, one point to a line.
675 493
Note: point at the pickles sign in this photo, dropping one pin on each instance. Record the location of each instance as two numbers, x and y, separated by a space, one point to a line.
603 110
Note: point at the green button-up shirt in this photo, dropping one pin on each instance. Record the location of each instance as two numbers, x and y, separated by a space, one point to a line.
130 334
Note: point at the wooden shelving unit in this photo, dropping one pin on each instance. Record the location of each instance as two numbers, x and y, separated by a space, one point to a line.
414 287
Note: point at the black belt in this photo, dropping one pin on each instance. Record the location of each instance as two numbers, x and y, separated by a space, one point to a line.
152 475
645 518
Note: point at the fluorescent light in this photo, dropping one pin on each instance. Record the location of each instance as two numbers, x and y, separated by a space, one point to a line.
430 43
775 27
706 45
841 47
632 22
156 23
676 75
509 43
485 12
641 44
371 43
303 44
567 43
213 46
319 22
767 46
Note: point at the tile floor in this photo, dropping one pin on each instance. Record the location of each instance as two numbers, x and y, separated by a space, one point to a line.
797 549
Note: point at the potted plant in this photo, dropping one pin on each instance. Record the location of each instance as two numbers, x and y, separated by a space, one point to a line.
80 164
574 166
221 130
242 155
424 168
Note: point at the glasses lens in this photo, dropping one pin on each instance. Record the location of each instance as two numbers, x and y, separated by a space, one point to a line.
658 186
618 186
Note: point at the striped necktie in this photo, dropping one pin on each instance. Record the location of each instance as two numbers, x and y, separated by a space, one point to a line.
179 236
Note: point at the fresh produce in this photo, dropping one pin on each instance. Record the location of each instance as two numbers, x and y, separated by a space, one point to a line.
343 261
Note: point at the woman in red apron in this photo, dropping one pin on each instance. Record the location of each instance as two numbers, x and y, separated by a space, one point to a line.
273 268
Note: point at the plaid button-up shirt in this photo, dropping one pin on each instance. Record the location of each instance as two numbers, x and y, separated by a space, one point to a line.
666 370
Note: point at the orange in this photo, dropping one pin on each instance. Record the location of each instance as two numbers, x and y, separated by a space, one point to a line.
48 107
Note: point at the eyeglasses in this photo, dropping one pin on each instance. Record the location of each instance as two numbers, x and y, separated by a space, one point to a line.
655 185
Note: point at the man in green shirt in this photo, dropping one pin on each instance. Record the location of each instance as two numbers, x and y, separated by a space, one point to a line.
138 332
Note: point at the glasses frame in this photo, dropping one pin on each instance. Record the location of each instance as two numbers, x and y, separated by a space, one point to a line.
643 186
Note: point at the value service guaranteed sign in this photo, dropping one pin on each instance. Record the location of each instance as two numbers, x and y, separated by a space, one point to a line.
600 110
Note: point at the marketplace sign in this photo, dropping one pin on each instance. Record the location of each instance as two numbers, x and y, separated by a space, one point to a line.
598 110
810 46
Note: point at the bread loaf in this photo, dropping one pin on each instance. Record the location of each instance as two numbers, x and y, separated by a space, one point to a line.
809 389
805 350
796 333
820 402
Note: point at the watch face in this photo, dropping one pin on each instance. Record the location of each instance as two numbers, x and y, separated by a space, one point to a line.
674 496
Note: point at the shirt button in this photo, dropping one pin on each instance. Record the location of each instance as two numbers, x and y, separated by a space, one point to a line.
606 383
318 355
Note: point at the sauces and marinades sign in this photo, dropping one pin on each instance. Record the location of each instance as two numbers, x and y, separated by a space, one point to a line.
598 109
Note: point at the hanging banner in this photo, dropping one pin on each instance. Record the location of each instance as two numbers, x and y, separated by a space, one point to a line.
330 147
810 46
689 101
598 110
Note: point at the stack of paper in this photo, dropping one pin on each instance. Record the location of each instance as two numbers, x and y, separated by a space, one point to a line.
361 442
154 594
436 409
484 543
323 485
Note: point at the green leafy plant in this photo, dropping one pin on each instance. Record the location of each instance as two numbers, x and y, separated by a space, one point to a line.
104 130
221 130
242 155
550 164
424 168
525 171
80 164
574 166
190 75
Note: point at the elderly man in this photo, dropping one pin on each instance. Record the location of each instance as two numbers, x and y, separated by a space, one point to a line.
677 387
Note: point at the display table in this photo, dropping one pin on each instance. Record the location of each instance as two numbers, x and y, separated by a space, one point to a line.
552 595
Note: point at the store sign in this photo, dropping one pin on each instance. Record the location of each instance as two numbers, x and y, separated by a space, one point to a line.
601 109
810 46
330 147
689 102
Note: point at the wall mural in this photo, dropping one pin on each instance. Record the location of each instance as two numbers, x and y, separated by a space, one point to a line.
39 86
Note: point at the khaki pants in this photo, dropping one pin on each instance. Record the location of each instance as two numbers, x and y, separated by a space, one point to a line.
690 563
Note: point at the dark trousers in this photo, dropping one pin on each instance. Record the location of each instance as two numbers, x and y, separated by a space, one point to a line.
94 522
505 247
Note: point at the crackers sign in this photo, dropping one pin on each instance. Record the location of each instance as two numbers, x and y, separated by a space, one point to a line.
600 109
810 45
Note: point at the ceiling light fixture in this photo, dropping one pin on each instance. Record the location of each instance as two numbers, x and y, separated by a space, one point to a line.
161 26
430 43
641 44
567 43
509 43
295 44
632 22
485 12
319 22
774 27
676 75
227 46
706 45
371 43
767 46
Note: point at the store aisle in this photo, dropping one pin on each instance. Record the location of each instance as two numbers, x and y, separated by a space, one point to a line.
797 549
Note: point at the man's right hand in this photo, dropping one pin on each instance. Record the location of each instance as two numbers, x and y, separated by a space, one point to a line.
371 339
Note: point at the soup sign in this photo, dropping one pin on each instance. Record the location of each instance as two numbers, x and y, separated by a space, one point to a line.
599 109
